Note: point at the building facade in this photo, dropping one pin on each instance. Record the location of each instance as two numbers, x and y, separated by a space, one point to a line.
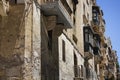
54 40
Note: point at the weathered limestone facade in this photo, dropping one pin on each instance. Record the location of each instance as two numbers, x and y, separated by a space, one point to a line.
54 40
20 40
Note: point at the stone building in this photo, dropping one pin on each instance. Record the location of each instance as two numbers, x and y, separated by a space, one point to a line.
110 62
54 40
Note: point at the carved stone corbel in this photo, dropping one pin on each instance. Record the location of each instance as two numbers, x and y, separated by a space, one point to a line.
4 7
51 22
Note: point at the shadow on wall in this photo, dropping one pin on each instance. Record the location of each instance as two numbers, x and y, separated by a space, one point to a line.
12 36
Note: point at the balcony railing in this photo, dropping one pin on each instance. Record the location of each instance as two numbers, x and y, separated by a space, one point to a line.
97 21
61 9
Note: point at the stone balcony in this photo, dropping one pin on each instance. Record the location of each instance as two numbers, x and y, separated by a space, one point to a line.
59 8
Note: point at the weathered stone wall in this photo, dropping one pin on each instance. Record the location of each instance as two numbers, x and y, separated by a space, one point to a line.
49 51
10 30
66 70
20 43
12 42
32 55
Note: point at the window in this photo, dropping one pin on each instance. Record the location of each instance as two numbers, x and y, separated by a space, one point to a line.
84 8
88 16
75 2
75 59
88 39
63 51
88 36
74 39
76 67
50 40
95 13
82 71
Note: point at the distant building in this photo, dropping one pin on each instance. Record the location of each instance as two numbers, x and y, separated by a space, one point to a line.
54 40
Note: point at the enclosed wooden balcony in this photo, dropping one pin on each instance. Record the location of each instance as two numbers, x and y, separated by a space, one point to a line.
61 9
98 28
98 22
88 42
95 16
88 49
102 28
97 52
97 55
4 7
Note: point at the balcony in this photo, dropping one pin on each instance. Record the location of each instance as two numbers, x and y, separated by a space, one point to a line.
96 40
103 24
59 8
97 52
103 39
95 15
110 72
97 21
111 60
102 49
105 72
88 49
4 7
97 55
98 28
88 42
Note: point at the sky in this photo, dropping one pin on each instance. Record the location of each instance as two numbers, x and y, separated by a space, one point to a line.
111 9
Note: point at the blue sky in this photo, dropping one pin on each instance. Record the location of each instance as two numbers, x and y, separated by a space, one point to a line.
111 9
